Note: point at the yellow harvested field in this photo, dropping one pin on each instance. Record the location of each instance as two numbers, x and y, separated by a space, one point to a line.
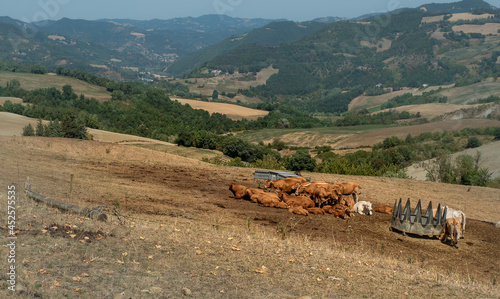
12 124
432 19
33 81
234 112
488 28
469 16
13 100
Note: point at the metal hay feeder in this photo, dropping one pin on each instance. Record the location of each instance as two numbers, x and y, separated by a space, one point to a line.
405 221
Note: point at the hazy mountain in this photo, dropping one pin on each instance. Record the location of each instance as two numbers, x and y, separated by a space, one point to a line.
203 23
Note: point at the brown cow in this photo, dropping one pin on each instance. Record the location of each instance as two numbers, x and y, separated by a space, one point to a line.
302 201
239 191
252 191
288 185
338 210
316 211
451 229
384 209
265 199
321 193
348 202
298 210
281 205
351 188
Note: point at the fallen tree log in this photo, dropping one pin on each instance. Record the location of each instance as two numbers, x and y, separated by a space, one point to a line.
95 213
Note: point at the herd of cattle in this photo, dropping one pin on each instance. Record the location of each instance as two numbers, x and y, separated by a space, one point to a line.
303 198
340 199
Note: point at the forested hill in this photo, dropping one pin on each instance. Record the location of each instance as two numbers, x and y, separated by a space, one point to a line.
324 70
456 7
273 34
342 55
117 49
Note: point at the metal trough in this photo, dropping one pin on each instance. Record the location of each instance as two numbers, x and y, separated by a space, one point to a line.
417 223
263 175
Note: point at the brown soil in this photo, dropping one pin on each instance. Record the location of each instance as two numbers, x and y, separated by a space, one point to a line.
159 185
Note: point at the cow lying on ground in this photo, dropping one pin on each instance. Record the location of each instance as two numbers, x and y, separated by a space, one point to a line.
239 191
302 201
268 200
338 210
316 211
384 209
363 207
298 210
351 188
451 230
288 185
348 202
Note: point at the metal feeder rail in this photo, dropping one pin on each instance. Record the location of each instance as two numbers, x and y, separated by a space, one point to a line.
405 221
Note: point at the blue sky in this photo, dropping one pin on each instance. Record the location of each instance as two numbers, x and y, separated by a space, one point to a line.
36 10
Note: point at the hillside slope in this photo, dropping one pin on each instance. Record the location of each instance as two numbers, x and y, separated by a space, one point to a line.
490 159
173 225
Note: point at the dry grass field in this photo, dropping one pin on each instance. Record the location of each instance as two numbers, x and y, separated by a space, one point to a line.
468 16
13 100
486 29
174 230
369 102
356 137
234 112
33 81
230 84
430 111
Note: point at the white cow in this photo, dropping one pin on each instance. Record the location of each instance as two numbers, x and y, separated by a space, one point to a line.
452 213
363 207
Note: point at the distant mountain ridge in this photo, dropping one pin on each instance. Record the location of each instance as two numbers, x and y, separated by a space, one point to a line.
205 23
122 48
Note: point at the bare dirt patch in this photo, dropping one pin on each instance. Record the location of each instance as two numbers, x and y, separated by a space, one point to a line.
234 112
183 229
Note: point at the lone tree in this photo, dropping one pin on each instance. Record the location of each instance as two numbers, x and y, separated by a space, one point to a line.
496 133
473 142
301 160
72 127
28 130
